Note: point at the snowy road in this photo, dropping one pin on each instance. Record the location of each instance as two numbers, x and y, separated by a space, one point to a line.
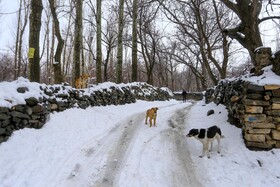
133 154
111 146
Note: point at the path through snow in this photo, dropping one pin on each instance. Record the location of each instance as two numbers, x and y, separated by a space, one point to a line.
129 149
107 146
111 146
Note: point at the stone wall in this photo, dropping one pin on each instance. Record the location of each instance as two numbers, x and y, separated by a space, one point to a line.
190 96
253 108
276 63
58 98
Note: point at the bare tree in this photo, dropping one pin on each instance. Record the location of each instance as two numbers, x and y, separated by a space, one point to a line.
198 25
58 78
167 65
78 40
98 43
34 40
21 33
120 42
68 49
110 39
22 23
134 41
47 47
149 37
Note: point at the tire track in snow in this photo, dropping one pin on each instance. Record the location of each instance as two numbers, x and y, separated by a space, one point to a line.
92 153
98 163
176 135
118 153
183 173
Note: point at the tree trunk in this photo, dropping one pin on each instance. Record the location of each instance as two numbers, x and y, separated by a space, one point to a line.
58 78
51 56
98 44
120 42
17 42
247 32
49 50
78 40
107 62
34 40
134 41
67 55
22 30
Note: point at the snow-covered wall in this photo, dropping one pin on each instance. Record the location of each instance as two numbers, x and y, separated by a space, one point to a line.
254 108
25 104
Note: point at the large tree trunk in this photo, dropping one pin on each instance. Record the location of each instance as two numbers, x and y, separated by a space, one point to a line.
34 40
78 40
247 32
120 42
134 41
98 44
58 78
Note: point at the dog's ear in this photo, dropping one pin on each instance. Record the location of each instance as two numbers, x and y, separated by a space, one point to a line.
156 108
192 132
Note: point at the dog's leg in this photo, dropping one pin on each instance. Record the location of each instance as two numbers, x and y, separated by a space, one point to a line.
203 149
218 140
202 155
146 120
207 149
155 120
151 122
211 146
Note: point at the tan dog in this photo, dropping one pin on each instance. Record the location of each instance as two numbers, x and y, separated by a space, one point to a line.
152 115
81 82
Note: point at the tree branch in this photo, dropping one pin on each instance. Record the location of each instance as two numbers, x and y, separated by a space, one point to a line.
268 18
231 6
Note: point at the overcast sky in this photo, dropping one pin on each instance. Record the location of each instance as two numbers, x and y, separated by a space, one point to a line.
8 9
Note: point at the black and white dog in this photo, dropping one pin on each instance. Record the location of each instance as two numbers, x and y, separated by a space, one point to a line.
206 136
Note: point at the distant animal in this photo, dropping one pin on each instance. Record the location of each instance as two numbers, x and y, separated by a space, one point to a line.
152 115
206 136
81 82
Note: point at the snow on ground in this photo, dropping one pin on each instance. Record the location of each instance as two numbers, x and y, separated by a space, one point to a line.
236 166
73 149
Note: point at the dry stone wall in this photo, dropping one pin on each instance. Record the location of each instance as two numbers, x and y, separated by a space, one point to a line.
189 96
58 98
253 108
